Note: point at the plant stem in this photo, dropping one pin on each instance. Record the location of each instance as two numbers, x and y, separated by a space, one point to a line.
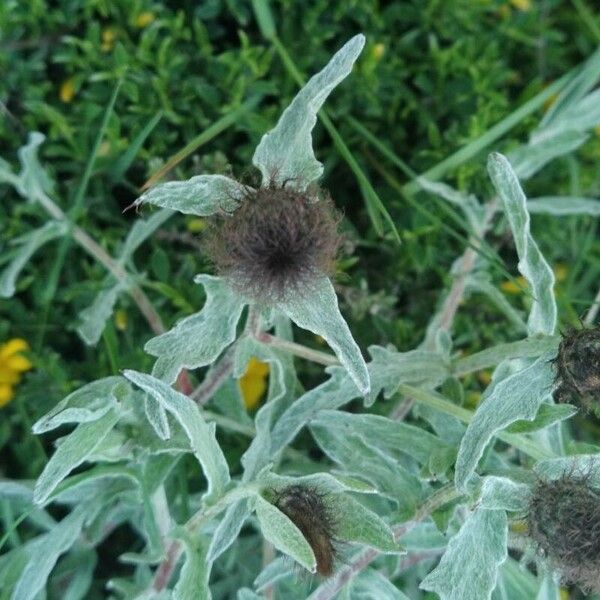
323 358
95 250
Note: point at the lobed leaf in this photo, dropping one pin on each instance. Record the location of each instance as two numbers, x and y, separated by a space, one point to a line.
285 153
197 340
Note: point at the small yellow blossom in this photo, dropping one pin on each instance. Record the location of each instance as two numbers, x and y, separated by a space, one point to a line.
121 319
12 366
378 51
144 19
523 5
66 93
196 225
109 35
485 377
253 382
514 287
560 272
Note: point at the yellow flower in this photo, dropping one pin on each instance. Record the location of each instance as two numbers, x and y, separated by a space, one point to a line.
378 51
121 319
253 382
12 366
523 5
514 287
66 93
144 19
109 35
196 225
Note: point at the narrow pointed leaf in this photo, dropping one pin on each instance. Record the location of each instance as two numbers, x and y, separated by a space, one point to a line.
285 153
317 310
532 264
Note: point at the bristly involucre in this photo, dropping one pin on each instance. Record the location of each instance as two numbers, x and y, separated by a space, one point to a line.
275 244
308 509
564 521
578 369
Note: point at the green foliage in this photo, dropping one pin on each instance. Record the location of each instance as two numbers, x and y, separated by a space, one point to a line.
125 477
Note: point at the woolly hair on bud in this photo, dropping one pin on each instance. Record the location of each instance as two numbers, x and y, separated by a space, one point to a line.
308 509
275 243
578 369
564 521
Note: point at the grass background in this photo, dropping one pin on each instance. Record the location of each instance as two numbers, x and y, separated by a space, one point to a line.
434 77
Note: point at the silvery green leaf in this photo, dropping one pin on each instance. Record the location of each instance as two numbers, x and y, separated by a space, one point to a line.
530 158
361 458
502 493
30 243
390 368
423 536
197 340
228 529
201 434
157 417
356 523
577 464
316 309
383 432
193 579
559 206
517 396
532 265
469 568
547 415
33 179
278 569
278 529
73 450
202 195
322 481
490 357
44 553
95 316
78 569
86 404
247 594
333 393
372 584
285 153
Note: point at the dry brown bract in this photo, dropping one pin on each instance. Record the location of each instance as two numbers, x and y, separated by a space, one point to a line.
578 369
276 243
564 521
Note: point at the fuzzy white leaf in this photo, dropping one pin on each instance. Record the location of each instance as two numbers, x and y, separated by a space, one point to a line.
193 579
501 493
578 464
532 264
202 195
200 433
197 340
44 552
518 396
285 153
73 450
95 316
317 310
469 568
86 404
278 529
559 206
